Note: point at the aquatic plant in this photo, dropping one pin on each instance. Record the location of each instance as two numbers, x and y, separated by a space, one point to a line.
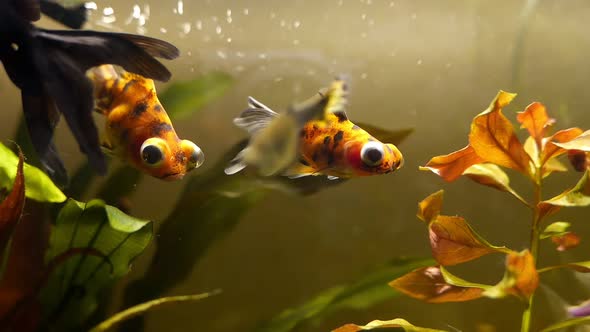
493 144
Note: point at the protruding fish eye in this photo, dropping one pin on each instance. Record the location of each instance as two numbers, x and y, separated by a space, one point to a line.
153 151
195 155
372 153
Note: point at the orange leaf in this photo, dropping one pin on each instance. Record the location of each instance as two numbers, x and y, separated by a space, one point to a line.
453 241
493 138
451 166
11 208
550 150
428 284
520 279
535 120
566 241
430 207
381 325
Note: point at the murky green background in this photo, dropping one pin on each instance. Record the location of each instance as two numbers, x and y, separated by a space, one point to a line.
430 65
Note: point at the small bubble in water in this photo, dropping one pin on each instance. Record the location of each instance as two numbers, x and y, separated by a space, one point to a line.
419 62
186 28
229 19
448 65
278 79
262 55
218 30
414 16
283 23
189 53
199 25
364 35
180 7
239 68
371 22
391 4
221 54
228 12
296 42
246 11
364 76
192 69
340 2
272 15
91 5
296 24
107 11
240 54
228 39
163 30
363 16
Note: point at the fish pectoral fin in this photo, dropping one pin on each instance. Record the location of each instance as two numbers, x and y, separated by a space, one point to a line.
236 165
297 176
256 117
332 177
299 170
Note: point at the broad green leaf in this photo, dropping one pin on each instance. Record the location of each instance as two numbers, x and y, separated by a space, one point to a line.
39 185
73 288
453 241
520 278
493 138
147 306
579 195
11 208
181 99
451 166
429 208
362 294
536 120
397 324
429 284
555 228
567 323
583 267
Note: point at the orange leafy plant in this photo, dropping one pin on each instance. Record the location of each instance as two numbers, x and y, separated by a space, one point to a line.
494 145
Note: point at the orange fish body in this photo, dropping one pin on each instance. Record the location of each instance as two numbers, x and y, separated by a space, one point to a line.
329 145
138 129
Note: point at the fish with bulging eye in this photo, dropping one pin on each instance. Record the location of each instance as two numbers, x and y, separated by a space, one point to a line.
138 130
313 138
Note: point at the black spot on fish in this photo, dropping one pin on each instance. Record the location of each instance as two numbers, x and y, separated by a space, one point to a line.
158 108
303 162
355 127
341 116
338 137
330 159
140 108
160 128
303 133
315 156
326 140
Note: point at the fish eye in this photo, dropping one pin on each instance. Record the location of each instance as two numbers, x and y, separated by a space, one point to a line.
372 153
195 155
152 152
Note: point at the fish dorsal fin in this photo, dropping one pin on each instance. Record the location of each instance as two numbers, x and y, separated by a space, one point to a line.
337 96
256 117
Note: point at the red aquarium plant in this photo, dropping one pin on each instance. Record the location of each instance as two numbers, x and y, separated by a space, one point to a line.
494 145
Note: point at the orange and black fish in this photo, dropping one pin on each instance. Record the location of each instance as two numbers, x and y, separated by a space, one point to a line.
315 138
138 130
49 67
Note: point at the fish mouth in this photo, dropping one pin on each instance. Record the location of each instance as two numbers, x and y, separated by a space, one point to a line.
172 176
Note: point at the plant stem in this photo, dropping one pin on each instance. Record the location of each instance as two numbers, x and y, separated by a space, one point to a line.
526 315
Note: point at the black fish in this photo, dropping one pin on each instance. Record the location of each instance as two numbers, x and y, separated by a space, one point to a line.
72 17
49 68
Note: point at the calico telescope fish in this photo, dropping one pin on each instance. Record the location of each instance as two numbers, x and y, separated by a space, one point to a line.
49 67
315 138
138 130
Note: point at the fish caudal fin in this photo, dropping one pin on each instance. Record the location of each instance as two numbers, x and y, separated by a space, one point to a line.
237 164
256 117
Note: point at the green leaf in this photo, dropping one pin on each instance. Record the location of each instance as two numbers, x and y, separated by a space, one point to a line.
181 99
71 294
369 290
492 176
567 323
555 229
397 324
576 196
147 306
39 185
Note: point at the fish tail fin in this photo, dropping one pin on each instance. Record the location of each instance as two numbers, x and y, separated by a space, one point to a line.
72 17
255 117
237 164
103 79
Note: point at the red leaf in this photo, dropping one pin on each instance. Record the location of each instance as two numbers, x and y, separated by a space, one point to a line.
550 150
535 120
428 284
567 241
11 208
451 166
